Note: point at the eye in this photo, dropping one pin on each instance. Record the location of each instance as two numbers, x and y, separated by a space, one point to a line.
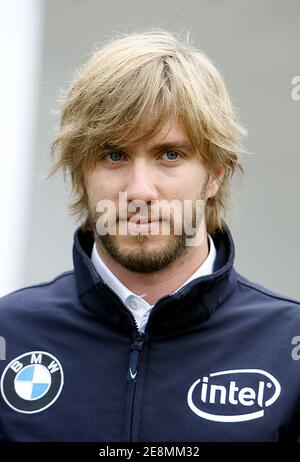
171 155
114 156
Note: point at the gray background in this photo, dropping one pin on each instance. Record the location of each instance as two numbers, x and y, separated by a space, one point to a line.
256 46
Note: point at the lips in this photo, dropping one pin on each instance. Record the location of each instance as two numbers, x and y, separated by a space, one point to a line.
140 225
140 220
144 220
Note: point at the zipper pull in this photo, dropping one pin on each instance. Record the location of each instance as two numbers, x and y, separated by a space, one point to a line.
134 356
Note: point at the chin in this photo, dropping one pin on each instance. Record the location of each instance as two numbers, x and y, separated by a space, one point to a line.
142 241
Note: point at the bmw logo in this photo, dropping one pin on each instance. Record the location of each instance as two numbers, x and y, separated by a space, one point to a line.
32 382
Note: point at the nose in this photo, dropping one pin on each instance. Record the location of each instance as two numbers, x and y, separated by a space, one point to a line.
141 183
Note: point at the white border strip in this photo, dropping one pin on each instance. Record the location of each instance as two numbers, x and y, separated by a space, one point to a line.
20 51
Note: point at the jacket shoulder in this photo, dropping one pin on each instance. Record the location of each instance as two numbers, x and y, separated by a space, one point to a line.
38 292
262 291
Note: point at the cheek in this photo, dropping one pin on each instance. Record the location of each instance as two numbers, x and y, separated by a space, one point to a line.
101 185
190 183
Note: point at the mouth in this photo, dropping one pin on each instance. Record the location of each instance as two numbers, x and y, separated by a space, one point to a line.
141 225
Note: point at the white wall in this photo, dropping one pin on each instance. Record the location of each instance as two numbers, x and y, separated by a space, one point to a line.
20 50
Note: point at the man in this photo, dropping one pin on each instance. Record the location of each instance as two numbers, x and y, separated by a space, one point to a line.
153 336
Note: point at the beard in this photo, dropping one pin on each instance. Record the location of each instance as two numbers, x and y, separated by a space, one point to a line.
146 256
146 253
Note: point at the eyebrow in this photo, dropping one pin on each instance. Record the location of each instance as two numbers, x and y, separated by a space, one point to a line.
172 144
185 145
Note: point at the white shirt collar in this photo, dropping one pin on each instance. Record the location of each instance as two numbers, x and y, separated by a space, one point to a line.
135 302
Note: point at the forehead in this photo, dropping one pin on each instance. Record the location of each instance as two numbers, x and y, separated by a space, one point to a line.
171 133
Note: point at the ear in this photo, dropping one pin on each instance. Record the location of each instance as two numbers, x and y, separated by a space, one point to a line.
215 179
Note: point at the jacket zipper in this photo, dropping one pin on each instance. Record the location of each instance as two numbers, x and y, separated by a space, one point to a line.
132 371
136 348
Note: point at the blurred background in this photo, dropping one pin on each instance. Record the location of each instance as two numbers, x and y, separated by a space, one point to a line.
256 46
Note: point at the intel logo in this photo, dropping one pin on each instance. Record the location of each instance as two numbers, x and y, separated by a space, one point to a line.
228 396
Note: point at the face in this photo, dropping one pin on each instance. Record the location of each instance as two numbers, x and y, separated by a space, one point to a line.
164 167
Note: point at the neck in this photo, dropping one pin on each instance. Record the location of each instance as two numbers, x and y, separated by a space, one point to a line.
153 286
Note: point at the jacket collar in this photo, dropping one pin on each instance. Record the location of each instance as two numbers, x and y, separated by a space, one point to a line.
194 303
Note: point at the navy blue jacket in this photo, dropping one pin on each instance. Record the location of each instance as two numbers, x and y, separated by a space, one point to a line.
217 362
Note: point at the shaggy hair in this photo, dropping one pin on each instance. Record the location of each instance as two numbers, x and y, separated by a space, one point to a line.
127 91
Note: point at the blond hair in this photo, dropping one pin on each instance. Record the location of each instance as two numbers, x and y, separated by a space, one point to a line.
132 86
